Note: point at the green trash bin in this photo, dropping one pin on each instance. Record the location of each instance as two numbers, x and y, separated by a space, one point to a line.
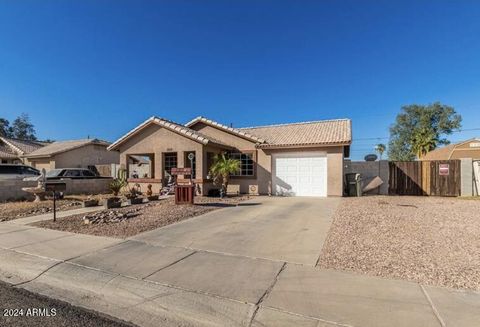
354 184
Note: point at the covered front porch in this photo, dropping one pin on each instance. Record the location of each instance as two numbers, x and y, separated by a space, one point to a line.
150 151
155 168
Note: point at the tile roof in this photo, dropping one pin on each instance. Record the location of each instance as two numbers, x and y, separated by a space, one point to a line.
7 153
21 147
236 131
63 146
168 124
323 132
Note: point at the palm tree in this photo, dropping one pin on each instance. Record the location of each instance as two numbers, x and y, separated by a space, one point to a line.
380 148
423 142
221 170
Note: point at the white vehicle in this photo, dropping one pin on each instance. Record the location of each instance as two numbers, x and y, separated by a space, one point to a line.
16 171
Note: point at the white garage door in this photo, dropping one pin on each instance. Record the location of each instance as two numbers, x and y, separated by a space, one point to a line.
300 174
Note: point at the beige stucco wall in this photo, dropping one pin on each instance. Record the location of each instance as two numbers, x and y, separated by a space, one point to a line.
156 140
334 165
85 156
262 183
40 164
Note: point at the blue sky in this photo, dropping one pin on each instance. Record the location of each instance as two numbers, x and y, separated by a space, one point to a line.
100 67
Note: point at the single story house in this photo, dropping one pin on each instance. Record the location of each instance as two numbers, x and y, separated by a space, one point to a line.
466 149
303 159
72 154
12 150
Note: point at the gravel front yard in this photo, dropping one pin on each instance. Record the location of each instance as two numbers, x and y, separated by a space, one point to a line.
21 209
430 240
141 217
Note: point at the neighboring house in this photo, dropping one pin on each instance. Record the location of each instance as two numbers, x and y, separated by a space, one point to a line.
466 149
72 154
291 159
11 150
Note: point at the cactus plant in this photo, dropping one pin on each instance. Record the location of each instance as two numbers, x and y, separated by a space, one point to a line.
119 183
122 174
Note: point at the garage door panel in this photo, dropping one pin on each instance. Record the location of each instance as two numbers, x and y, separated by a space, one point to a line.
301 175
304 179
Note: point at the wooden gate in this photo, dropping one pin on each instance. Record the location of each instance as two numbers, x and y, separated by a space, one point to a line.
405 178
439 178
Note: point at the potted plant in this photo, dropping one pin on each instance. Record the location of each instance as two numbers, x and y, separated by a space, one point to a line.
115 187
150 195
90 202
133 195
221 169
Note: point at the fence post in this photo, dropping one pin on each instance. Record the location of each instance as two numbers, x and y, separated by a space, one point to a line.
466 177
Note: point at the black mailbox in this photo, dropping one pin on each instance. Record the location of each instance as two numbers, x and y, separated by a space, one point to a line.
55 187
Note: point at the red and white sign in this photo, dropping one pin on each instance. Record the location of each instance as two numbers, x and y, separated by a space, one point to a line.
443 169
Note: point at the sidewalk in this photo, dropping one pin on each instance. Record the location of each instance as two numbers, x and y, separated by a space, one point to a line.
49 216
152 285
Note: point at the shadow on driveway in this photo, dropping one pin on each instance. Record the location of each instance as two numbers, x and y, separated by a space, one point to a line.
226 205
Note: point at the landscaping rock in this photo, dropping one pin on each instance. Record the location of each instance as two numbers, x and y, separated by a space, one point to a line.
128 221
430 240
110 216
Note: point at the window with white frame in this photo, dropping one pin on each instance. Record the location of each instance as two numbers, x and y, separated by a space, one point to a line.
246 163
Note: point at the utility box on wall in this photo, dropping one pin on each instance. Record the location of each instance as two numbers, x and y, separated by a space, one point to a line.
253 189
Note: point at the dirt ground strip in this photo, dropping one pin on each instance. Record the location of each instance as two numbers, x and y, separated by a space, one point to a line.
21 209
151 215
20 308
431 240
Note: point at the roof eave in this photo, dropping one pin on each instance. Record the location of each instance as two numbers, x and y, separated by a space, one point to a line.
219 145
231 130
194 121
302 145
165 124
29 156
20 151
122 139
49 155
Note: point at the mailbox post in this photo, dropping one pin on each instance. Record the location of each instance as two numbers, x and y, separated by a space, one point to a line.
55 187
191 156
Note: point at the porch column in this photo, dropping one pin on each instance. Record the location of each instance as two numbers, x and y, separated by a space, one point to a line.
199 162
158 166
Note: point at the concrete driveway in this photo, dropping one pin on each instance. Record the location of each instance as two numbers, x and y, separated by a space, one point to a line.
250 265
281 229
